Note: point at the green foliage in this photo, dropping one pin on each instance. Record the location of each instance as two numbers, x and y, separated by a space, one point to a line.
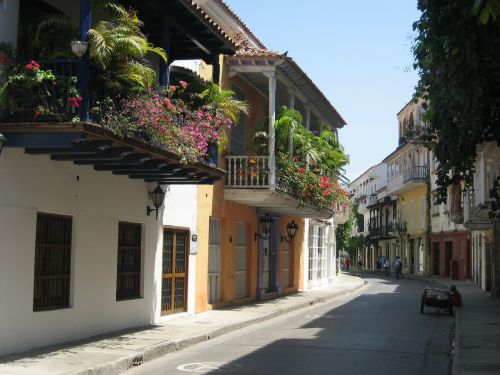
458 59
323 151
54 35
33 92
308 184
117 45
345 241
224 102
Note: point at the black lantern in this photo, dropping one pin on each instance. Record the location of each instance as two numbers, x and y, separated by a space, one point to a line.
157 196
265 222
2 141
291 231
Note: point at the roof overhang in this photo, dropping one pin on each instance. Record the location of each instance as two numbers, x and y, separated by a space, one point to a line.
253 64
192 33
90 144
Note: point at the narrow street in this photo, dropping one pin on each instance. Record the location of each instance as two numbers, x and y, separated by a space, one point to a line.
378 330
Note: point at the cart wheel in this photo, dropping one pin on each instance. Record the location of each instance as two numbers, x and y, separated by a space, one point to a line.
422 304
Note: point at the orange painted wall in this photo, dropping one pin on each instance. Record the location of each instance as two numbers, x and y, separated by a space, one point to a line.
296 253
211 203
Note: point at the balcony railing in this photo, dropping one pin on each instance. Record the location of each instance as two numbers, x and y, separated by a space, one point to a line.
381 231
247 172
397 227
415 173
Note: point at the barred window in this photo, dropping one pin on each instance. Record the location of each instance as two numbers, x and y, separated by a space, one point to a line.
128 279
52 262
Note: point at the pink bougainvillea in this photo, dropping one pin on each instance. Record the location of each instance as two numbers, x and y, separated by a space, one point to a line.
181 128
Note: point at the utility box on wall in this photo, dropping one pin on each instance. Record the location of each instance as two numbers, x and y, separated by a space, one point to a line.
193 243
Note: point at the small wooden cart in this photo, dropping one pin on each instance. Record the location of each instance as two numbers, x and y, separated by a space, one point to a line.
437 298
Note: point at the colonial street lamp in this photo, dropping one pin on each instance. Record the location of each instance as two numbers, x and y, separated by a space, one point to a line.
265 222
291 229
157 196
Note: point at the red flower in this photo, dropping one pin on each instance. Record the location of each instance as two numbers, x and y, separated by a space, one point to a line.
32 64
4 60
37 113
302 170
74 102
183 84
172 88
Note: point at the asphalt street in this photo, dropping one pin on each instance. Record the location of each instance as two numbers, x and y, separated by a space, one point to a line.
378 330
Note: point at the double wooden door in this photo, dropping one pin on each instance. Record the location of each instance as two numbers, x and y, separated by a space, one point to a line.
174 271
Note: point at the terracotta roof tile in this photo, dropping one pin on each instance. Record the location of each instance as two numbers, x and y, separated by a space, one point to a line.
209 21
247 29
245 51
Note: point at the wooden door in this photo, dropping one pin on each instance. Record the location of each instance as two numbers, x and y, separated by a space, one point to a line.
241 260
174 271
266 265
214 260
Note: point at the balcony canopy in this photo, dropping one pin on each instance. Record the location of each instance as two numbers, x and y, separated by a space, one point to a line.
191 33
276 201
90 144
252 65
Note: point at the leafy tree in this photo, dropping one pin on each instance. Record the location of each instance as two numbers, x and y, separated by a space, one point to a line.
321 150
345 240
457 54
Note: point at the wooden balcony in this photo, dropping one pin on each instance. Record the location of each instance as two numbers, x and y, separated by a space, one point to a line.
64 137
248 182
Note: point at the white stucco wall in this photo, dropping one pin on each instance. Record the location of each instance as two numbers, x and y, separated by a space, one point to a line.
97 201
179 211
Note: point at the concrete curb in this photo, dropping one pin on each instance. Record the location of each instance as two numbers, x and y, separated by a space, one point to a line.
139 357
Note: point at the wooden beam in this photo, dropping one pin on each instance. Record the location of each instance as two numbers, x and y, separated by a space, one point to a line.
116 153
84 147
134 159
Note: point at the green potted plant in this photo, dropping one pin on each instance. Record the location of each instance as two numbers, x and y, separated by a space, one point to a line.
34 94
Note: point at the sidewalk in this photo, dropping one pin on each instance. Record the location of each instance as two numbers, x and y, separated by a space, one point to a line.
112 354
476 344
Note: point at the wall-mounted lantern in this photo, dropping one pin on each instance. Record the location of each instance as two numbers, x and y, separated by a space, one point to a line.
157 196
291 231
265 222
79 47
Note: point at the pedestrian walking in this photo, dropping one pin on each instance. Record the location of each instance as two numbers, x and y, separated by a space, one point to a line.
347 263
360 262
387 267
398 266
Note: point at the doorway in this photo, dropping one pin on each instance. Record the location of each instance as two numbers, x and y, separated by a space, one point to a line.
435 258
241 260
448 255
265 274
174 271
214 260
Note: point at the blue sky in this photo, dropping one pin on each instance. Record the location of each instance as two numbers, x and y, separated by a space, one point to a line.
359 55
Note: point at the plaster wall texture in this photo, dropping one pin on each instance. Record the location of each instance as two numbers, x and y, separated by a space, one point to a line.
97 202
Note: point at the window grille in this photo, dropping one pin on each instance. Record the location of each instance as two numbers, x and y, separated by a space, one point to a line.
128 280
52 262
